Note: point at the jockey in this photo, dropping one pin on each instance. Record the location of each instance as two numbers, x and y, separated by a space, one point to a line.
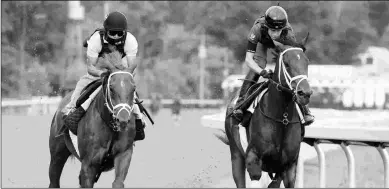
273 25
113 35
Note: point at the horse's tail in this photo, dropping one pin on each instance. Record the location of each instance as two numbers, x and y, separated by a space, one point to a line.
231 134
223 137
236 137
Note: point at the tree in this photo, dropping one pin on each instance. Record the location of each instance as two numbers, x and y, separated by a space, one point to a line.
28 38
378 16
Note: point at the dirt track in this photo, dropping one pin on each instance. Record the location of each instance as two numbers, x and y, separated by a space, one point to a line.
185 156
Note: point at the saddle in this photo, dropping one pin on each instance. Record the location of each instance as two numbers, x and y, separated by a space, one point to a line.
71 121
87 91
252 93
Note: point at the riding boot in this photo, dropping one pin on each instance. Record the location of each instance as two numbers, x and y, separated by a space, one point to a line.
249 81
308 117
140 132
72 121
139 123
66 111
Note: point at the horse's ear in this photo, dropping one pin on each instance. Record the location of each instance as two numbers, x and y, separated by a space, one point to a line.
279 46
305 40
131 71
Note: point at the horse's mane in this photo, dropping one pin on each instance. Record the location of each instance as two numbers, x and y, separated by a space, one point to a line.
109 60
113 58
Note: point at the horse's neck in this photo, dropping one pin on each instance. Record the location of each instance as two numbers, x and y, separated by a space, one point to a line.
277 101
99 100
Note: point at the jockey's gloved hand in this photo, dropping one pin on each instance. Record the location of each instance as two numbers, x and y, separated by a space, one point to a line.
266 73
106 73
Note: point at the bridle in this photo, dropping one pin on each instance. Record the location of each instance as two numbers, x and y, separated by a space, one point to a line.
108 100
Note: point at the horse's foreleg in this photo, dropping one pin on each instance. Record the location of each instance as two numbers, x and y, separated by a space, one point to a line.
122 164
289 176
254 165
88 174
254 168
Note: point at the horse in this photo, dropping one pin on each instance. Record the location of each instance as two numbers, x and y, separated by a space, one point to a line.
274 132
105 133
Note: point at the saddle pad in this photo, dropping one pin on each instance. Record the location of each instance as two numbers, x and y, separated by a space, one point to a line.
87 91
256 101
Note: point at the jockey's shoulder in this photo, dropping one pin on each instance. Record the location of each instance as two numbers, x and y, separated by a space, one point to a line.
129 34
260 21
95 36
288 26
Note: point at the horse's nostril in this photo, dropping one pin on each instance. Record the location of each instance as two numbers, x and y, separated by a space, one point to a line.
306 94
300 93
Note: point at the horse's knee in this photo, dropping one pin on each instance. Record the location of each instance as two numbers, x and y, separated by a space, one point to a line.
87 175
253 164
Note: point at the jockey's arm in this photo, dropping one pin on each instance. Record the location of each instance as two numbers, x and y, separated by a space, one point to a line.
260 63
131 49
256 53
91 67
251 63
132 63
